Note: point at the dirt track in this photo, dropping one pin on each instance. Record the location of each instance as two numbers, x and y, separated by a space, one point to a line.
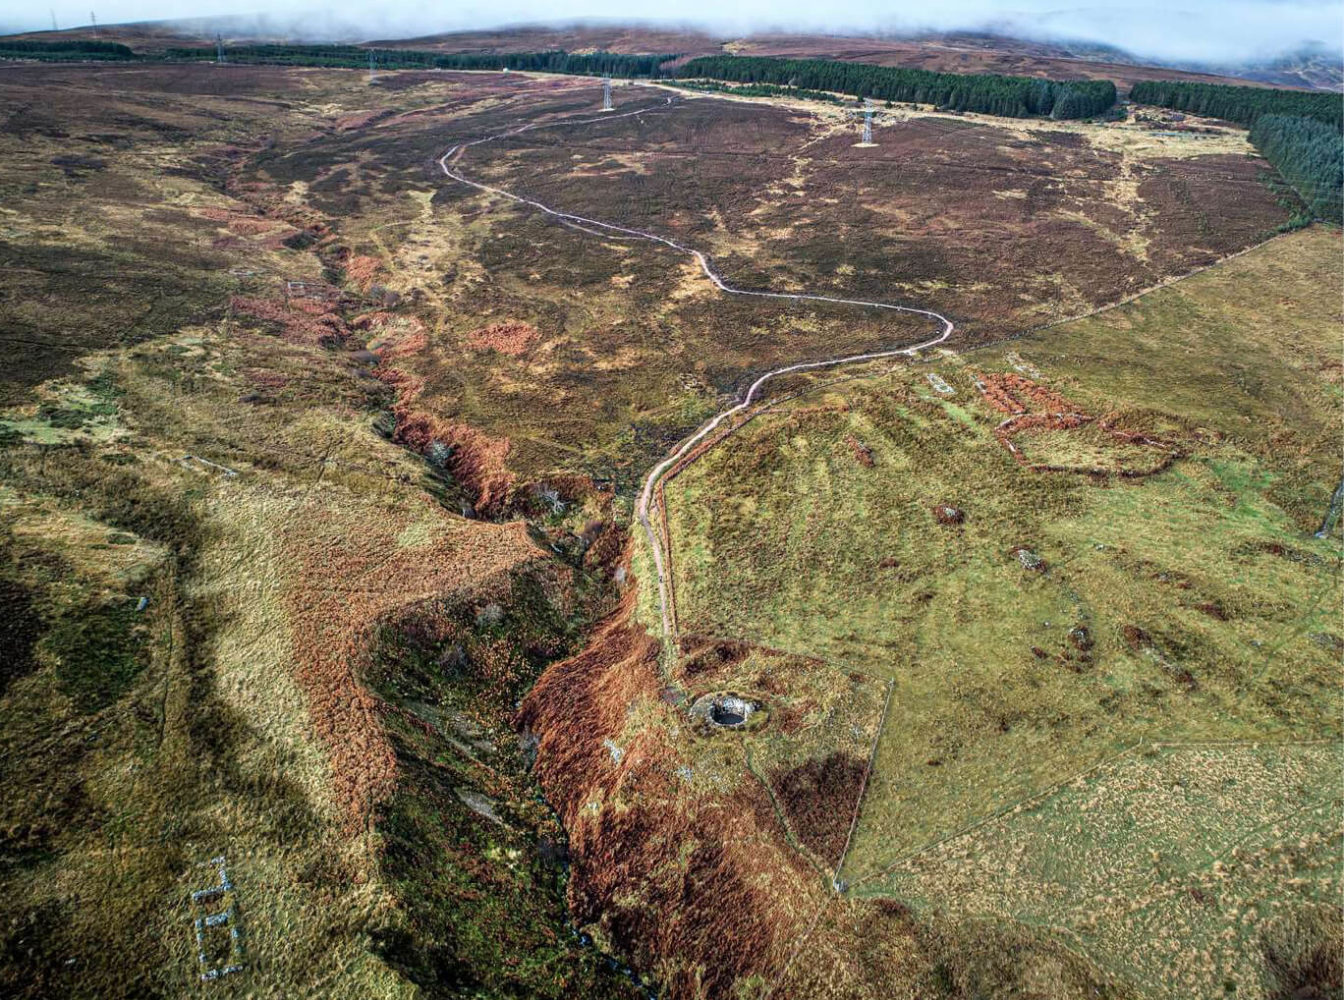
596 227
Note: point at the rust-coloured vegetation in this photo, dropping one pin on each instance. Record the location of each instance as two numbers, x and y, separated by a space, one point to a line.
1017 394
330 653
474 458
675 881
818 797
298 320
510 337
343 584
861 452
1034 408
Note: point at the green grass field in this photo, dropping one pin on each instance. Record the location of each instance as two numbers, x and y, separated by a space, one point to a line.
1068 618
1177 868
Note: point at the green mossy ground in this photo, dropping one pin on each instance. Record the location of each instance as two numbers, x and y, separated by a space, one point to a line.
480 891
1194 605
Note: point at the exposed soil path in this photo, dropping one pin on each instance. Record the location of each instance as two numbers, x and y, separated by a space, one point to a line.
596 227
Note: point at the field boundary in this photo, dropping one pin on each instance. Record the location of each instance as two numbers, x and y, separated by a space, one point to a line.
1127 300
997 814
798 949
836 882
790 837
581 223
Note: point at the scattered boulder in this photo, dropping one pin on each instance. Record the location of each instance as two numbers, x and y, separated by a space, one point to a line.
1030 560
1140 641
945 513
1136 637
861 452
481 805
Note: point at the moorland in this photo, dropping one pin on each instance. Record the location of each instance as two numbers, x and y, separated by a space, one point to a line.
1008 667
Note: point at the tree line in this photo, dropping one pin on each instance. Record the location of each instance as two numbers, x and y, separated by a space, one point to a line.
354 56
63 51
1310 156
1300 132
1009 96
1239 104
1015 97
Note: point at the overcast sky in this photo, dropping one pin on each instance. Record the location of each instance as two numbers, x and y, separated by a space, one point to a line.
1213 30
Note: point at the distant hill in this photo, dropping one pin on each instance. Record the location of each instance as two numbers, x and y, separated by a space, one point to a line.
965 52
1309 67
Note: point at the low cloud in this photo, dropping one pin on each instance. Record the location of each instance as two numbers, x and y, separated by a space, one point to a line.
1210 31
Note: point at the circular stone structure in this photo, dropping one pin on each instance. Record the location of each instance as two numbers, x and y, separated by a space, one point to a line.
726 710
730 711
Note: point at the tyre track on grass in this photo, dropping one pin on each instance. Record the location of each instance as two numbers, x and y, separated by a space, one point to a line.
596 227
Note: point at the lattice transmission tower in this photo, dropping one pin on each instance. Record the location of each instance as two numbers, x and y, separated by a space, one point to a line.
606 93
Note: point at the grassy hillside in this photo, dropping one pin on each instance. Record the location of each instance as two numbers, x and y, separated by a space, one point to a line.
316 471
1036 622
218 581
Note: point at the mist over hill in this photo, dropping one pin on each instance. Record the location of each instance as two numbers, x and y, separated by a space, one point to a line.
1297 43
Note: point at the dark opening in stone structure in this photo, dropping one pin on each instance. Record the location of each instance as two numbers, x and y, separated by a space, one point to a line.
727 710
730 711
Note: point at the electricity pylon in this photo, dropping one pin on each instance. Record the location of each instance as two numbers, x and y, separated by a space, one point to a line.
869 112
606 93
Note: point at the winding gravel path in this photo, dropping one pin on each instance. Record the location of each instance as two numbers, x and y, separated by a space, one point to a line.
596 227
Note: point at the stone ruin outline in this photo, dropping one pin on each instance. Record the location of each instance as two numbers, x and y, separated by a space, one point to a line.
939 384
227 917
